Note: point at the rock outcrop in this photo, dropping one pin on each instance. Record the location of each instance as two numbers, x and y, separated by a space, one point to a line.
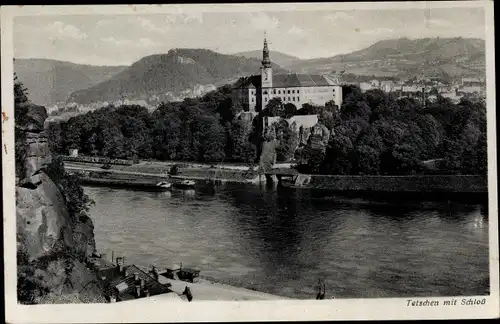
51 236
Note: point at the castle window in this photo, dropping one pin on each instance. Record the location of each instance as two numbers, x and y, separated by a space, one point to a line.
265 91
279 91
253 99
274 91
288 98
288 91
298 98
293 91
297 91
265 99
293 98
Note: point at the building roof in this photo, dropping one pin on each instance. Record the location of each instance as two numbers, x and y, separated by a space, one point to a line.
286 81
126 285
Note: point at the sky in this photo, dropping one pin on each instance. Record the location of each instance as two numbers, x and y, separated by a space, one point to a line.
123 39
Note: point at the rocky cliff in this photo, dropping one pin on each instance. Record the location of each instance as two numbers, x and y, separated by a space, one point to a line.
54 233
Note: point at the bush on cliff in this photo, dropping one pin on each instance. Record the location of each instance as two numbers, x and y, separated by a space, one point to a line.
20 112
76 201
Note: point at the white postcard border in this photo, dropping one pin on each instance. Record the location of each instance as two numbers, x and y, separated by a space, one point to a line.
339 309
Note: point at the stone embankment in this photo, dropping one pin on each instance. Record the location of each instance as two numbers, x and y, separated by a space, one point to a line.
395 184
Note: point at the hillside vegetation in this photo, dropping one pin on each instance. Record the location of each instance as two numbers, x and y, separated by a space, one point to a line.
377 133
279 58
51 81
200 129
371 133
404 57
174 72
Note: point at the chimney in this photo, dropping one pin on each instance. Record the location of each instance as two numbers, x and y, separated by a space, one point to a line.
119 260
136 276
142 283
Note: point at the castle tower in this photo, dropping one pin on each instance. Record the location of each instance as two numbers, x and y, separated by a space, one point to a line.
266 69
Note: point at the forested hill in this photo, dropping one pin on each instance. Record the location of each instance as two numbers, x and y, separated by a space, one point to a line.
454 56
51 81
174 72
279 58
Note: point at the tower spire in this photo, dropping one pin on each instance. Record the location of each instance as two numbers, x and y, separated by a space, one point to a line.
266 62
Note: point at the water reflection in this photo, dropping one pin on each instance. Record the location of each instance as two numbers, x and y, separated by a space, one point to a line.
188 194
282 241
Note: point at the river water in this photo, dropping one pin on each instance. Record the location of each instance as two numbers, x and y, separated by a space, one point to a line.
282 241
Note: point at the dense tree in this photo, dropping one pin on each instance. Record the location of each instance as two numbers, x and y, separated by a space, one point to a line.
242 148
274 108
289 110
375 133
287 140
371 133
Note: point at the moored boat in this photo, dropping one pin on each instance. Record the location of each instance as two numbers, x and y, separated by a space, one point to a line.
185 184
164 185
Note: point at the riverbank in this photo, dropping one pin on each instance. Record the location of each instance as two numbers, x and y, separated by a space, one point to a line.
158 171
209 290
440 185
213 291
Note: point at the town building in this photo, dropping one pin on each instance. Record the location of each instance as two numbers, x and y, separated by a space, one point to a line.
125 282
254 92
471 82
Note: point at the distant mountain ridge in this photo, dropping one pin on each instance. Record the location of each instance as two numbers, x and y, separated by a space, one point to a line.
51 81
402 57
279 58
174 72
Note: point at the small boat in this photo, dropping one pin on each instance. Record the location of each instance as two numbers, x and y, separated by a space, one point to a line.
164 185
177 272
186 184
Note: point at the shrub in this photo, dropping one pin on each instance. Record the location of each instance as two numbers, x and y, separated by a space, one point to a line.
174 169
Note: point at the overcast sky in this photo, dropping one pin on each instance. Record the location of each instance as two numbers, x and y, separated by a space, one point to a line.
124 39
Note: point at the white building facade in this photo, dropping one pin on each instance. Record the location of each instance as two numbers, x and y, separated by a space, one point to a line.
254 92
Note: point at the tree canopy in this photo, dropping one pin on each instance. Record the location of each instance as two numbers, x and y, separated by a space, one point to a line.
371 133
377 133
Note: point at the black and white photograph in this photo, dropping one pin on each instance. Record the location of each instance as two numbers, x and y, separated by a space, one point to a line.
191 160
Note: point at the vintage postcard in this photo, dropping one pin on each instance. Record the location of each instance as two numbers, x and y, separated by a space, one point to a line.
249 162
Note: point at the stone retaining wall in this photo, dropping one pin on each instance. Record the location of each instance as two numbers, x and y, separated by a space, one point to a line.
425 183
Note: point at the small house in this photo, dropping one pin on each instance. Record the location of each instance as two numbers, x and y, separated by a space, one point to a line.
129 282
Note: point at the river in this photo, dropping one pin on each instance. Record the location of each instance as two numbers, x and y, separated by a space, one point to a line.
283 241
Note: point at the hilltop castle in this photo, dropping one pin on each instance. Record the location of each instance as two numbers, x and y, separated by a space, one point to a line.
254 92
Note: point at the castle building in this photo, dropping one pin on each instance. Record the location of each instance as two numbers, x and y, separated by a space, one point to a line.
254 92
